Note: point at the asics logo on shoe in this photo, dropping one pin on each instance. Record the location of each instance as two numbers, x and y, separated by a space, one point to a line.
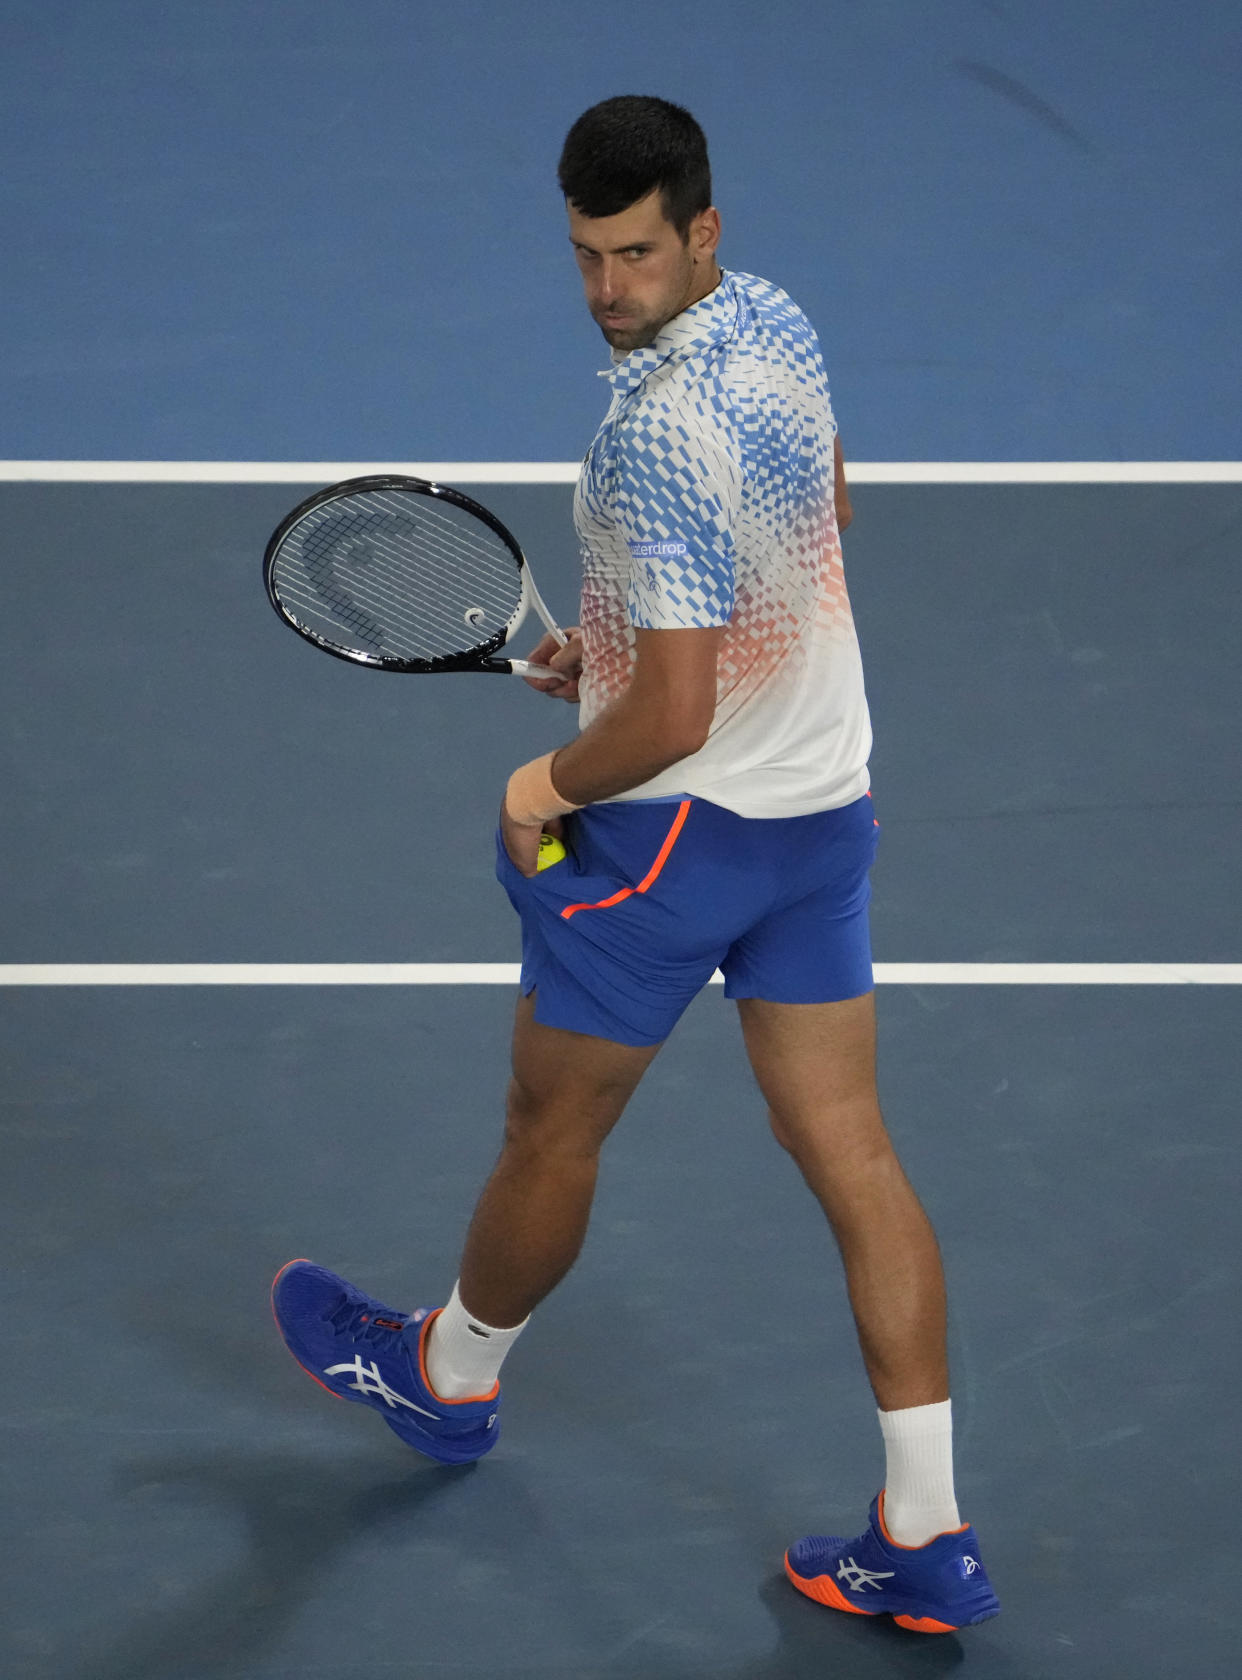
856 1577
969 1564
491 1422
369 1381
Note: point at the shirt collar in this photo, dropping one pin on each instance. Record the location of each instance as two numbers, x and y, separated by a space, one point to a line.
713 320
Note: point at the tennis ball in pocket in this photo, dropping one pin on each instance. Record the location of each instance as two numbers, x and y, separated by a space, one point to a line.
550 851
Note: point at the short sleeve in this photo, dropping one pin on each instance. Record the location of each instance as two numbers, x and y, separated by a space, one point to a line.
677 504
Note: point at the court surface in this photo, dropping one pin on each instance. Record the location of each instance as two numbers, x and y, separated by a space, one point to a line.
311 234
1056 778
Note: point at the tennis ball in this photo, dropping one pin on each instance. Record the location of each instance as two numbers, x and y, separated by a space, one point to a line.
550 851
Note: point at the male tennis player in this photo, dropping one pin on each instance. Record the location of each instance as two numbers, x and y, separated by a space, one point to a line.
715 805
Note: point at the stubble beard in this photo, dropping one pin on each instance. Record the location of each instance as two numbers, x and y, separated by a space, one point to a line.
640 333
636 337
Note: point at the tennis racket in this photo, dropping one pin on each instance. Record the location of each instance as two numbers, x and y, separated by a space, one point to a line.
403 575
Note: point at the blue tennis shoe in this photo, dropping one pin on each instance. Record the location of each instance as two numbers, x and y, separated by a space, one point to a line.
359 1349
936 1588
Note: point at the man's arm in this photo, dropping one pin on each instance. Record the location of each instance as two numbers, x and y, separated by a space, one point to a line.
664 715
841 490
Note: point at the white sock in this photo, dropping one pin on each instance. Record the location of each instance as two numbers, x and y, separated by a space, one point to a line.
464 1355
918 1486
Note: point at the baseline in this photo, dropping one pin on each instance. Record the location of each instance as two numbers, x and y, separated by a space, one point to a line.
566 472
507 974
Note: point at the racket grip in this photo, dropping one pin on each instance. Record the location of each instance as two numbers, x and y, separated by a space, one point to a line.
524 668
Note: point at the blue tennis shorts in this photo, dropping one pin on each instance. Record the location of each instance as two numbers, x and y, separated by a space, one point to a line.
654 896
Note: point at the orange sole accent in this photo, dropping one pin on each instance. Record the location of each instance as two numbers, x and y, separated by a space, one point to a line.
824 1590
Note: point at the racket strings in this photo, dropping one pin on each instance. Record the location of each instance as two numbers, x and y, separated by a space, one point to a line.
376 553
456 543
395 574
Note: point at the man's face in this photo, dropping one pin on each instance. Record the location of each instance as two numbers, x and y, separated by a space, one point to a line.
637 270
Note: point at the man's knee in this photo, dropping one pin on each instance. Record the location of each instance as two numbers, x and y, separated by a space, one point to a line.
545 1119
846 1139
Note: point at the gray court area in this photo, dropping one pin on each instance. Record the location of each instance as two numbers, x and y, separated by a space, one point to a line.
1052 672
1055 688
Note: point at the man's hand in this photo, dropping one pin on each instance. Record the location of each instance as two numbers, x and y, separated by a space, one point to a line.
522 841
567 659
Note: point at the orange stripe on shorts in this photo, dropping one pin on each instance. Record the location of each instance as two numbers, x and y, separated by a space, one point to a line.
670 840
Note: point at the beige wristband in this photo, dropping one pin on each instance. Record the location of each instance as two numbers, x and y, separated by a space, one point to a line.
530 798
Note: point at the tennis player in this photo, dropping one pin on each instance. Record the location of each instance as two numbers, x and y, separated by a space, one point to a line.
716 811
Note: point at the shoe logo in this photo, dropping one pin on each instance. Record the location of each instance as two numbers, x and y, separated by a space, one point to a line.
856 1577
370 1382
970 1564
491 1422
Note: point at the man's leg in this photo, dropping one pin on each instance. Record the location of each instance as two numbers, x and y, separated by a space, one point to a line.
917 1562
815 1064
567 1092
432 1376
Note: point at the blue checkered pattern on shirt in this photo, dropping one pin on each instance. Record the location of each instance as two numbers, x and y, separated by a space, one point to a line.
713 464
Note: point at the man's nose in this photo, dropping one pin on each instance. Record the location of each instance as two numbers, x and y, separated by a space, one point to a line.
607 281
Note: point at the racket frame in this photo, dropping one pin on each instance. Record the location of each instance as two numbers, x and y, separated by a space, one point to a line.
478 658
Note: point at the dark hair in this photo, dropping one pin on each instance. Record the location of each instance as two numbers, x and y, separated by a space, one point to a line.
618 152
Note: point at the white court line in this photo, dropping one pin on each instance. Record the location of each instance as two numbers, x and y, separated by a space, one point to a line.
506 974
566 472
284 472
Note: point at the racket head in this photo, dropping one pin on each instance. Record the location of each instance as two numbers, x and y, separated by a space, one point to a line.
398 574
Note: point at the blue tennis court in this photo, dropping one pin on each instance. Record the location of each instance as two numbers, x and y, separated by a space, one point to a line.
251 248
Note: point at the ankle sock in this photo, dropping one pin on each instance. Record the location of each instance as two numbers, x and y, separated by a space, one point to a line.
919 1502
464 1355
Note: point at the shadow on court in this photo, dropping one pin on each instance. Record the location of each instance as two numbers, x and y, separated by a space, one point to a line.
299 1514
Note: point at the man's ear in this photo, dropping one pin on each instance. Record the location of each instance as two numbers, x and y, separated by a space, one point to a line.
705 233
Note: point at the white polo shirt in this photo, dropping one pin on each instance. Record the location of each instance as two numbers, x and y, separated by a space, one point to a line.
707 499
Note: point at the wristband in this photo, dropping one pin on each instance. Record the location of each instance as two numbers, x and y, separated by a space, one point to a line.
530 798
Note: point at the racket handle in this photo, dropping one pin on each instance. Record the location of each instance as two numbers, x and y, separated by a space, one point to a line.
524 668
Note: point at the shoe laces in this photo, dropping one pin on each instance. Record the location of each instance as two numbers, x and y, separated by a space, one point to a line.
366 1321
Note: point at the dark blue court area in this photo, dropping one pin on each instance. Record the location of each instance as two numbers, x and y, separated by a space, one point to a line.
304 232
187 781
